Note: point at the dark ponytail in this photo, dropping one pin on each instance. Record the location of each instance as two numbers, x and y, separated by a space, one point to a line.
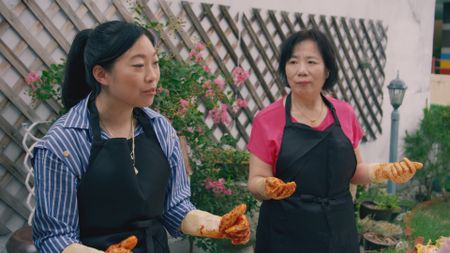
75 87
100 46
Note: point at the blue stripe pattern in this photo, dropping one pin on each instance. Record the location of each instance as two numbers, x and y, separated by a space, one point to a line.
60 161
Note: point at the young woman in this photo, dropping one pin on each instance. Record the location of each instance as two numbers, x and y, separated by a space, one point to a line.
311 141
111 167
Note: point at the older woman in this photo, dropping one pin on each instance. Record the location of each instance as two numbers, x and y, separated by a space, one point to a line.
311 141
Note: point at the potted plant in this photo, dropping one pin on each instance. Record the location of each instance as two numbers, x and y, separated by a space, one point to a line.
378 234
378 204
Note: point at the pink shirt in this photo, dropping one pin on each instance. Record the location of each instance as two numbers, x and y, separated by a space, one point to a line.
268 126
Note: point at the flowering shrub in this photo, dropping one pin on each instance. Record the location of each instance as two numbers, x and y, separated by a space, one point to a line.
189 94
46 85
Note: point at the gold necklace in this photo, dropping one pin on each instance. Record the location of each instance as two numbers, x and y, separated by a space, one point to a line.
132 154
312 121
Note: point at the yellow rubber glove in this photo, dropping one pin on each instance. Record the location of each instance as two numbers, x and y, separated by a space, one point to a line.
398 172
234 225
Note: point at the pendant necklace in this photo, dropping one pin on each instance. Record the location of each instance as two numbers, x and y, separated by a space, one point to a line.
132 154
312 121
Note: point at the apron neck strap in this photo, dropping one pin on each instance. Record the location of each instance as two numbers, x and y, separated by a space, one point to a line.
325 100
94 120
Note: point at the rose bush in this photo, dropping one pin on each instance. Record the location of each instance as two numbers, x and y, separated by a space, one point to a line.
189 94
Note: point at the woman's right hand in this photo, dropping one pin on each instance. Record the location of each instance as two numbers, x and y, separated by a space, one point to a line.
275 188
234 225
79 248
125 246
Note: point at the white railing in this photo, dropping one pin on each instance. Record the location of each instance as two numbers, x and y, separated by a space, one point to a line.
29 140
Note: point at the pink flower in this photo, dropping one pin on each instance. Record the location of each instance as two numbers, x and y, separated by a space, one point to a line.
200 130
227 192
208 184
199 46
220 83
182 110
225 117
240 75
32 77
220 115
216 115
190 129
209 93
184 103
242 103
198 57
206 68
207 85
217 186
192 53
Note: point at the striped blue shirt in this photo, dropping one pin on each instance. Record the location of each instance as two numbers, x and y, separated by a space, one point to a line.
60 161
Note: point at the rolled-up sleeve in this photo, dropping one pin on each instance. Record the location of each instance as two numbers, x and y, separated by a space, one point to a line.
55 224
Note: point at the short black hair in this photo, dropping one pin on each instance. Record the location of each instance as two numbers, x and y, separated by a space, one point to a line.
326 49
102 46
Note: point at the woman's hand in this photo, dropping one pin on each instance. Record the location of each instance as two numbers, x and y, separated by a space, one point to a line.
79 248
401 172
234 226
124 246
398 172
275 188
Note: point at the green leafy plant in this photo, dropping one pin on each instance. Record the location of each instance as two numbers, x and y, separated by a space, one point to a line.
431 145
46 85
188 95
379 197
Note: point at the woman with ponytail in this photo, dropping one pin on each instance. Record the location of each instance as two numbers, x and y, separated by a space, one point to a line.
111 167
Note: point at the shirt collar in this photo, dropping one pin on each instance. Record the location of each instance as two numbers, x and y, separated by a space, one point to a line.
78 116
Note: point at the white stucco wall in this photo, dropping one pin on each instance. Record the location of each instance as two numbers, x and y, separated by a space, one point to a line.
409 50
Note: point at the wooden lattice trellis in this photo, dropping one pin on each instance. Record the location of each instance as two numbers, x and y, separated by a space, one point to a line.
36 33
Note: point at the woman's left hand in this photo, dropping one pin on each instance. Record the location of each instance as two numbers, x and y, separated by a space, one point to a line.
401 172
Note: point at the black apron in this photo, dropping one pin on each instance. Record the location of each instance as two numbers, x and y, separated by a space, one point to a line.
113 201
319 216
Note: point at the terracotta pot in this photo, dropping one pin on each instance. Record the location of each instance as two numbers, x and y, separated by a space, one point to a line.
374 241
369 208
